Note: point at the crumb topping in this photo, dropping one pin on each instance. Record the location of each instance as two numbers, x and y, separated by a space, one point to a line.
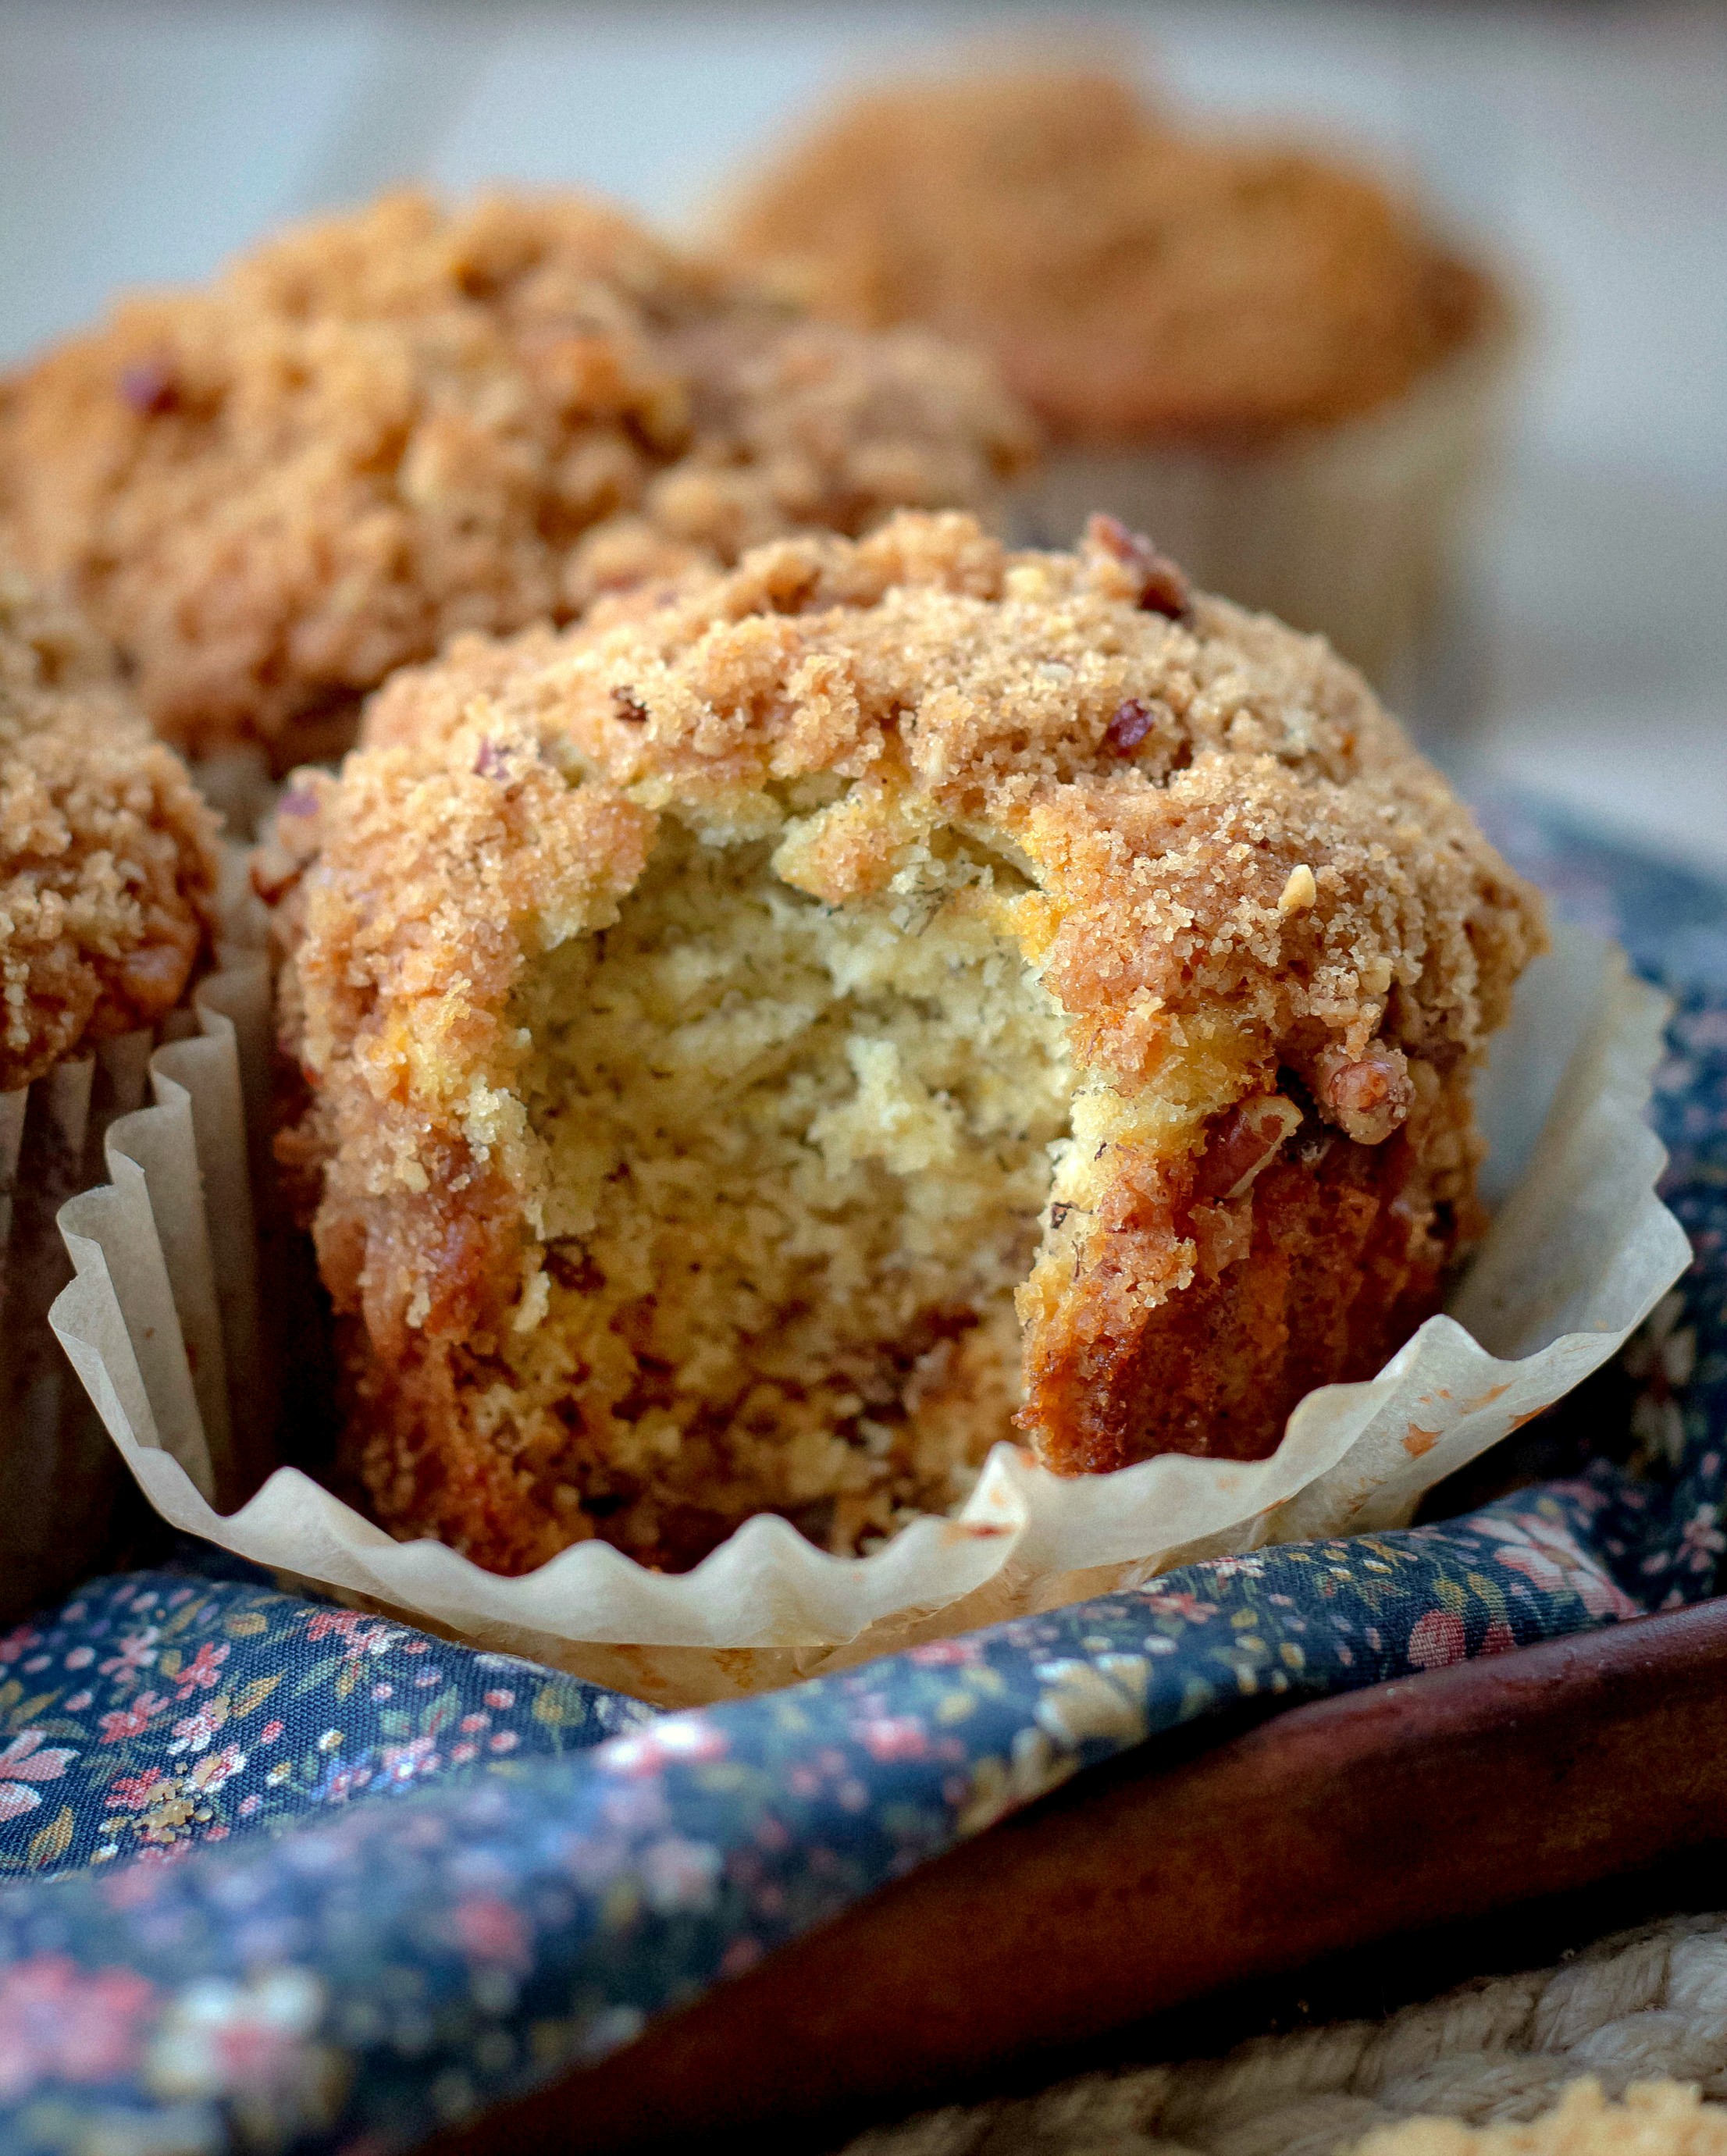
379 430
107 867
1134 279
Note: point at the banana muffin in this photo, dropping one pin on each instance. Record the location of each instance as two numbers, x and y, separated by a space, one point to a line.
1257 351
107 862
764 1047
107 895
378 430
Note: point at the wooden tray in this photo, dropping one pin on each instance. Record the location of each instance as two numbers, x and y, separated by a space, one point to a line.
1408 1804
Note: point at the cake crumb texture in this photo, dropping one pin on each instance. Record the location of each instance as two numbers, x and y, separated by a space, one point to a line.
1137 280
376 431
107 867
771 1041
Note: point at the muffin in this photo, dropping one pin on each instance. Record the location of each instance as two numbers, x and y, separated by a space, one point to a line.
761 1048
1259 355
405 422
107 882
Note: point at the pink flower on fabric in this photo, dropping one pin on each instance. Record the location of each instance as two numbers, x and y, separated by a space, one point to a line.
59 2022
253 2040
24 1760
1437 1640
938 1654
1179 1604
488 1929
138 1653
18 1642
132 1793
688 1740
888 1736
677 1874
1548 1555
193 1732
131 1721
203 1670
403 1761
359 1634
1499 1638
270 1732
1702 1542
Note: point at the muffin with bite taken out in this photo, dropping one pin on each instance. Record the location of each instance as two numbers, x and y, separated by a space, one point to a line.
764 1048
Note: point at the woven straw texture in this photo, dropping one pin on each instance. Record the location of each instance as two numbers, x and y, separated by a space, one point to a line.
1644 2005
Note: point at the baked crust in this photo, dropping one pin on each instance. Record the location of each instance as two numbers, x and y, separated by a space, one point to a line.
376 431
1272 941
1137 281
107 866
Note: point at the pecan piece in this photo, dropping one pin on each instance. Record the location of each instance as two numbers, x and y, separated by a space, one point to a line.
1242 1141
1162 587
149 387
1367 1097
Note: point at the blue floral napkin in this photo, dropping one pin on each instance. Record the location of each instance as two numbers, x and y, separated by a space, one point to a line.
278 1876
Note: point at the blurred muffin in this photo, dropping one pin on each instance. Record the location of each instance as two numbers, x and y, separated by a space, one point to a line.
762 1048
107 882
1256 353
378 430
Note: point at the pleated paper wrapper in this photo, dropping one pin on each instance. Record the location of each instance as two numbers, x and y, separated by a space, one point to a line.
1579 1250
1356 530
68 1507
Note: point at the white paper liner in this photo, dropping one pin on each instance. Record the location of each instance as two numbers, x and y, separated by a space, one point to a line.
1354 530
1580 1251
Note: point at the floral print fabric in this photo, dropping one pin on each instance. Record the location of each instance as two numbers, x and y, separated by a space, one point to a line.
439 1878
158 1710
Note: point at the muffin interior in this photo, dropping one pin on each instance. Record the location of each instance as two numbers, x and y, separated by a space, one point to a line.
797 1158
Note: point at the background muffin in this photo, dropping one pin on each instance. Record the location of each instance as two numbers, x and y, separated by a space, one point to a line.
379 430
107 882
758 1044
1217 333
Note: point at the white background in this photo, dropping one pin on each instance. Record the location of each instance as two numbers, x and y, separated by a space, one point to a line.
1588 145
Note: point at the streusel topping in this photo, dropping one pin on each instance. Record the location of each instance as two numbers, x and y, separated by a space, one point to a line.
107 872
379 430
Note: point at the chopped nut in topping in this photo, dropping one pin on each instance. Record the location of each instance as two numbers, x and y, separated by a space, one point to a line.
1300 892
1366 1096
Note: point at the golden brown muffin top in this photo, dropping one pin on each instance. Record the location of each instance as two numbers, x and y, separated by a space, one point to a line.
404 421
1135 281
1220 855
107 869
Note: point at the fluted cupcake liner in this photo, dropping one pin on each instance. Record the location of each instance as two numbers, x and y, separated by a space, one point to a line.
1579 1250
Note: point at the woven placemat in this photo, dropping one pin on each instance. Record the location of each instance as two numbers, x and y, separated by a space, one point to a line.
1648 2004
